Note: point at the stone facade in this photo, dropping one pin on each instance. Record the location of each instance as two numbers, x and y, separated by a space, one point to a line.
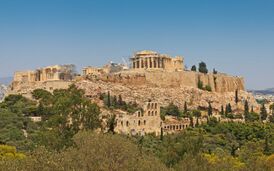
50 73
92 71
141 122
149 121
173 124
152 60
107 69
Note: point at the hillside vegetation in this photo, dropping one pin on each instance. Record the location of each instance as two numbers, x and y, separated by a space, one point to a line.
68 138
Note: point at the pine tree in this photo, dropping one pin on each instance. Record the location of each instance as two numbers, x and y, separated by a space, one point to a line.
108 100
200 84
162 135
191 122
120 100
115 101
193 68
197 122
266 146
209 111
263 112
111 123
222 110
236 96
228 109
246 112
185 107
203 68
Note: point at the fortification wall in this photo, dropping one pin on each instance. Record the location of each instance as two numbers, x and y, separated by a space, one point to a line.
218 82
26 88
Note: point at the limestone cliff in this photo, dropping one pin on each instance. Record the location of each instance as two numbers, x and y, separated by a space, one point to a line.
194 97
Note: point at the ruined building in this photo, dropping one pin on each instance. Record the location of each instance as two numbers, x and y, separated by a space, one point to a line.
152 60
148 121
50 73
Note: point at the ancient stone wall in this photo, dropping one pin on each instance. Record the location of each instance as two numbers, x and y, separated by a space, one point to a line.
26 88
218 82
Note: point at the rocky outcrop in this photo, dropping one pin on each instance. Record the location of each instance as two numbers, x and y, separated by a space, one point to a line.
194 97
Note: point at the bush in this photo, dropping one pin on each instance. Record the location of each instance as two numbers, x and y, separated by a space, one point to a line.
208 88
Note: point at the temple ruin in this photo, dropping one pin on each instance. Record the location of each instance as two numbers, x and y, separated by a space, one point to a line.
49 73
152 60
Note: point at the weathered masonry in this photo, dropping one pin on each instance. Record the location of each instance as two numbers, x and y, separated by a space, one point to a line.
50 73
153 60
149 121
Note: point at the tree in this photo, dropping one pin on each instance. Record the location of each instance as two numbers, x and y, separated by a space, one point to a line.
228 109
222 110
208 88
196 113
173 110
209 110
236 96
200 84
271 107
214 71
185 108
108 100
252 117
111 124
120 100
203 68
193 68
263 112
246 107
115 102
271 118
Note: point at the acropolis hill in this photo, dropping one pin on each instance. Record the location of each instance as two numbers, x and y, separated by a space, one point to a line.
150 75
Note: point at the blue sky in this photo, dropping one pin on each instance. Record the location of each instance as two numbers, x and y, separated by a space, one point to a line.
233 36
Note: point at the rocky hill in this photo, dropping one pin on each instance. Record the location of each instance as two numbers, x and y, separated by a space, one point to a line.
194 97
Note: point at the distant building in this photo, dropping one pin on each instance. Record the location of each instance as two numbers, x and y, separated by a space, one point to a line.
148 121
50 73
152 60
107 69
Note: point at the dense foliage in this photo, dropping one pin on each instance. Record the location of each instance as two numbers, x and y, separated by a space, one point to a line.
64 113
66 139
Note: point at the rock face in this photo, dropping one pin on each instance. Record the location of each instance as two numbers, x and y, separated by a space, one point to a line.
3 90
218 82
194 97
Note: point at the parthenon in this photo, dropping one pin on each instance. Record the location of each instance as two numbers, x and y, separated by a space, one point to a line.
152 60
